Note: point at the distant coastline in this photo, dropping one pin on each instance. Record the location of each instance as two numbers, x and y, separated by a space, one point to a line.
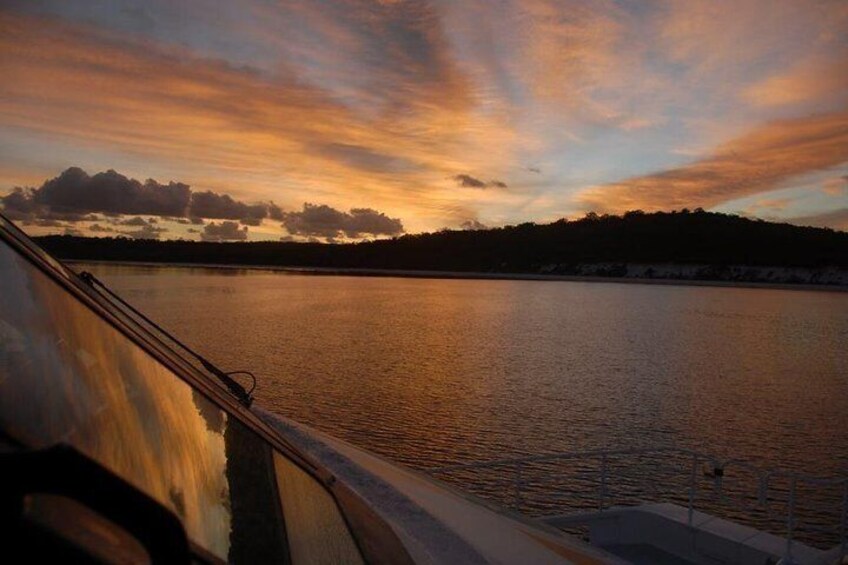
459 275
677 248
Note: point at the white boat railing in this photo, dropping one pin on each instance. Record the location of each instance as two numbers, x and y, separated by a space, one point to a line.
701 465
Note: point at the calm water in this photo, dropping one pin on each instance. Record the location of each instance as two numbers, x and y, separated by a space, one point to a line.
434 372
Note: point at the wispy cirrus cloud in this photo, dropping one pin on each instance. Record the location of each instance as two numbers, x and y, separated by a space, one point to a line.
229 120
756 162
823 81
836 186
468 181
837 219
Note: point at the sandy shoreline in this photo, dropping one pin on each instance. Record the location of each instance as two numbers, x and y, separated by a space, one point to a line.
330 271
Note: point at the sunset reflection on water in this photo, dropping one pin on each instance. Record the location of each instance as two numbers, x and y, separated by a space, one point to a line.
438 371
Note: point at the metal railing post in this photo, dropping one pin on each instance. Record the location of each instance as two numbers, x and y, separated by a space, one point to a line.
762 492
790 520
606 491
693 487
602 492
843 542
516 504
718 479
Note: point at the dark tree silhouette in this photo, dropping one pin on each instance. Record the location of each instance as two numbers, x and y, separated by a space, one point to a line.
683 238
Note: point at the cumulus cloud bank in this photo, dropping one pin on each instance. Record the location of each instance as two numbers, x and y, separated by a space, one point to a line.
209 204
320 220
225 231
110 192
146 231
116 202
75 194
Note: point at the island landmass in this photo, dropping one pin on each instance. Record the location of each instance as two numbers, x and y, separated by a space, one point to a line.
695 246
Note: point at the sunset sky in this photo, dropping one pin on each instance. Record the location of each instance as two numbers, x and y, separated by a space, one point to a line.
373 118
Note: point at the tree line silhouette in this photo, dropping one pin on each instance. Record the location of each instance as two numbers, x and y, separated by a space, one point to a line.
684 237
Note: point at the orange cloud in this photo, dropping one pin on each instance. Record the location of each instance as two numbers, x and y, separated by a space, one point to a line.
811 81
837 186
776 204
837 219
754 163
259 136
353 103
584 64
